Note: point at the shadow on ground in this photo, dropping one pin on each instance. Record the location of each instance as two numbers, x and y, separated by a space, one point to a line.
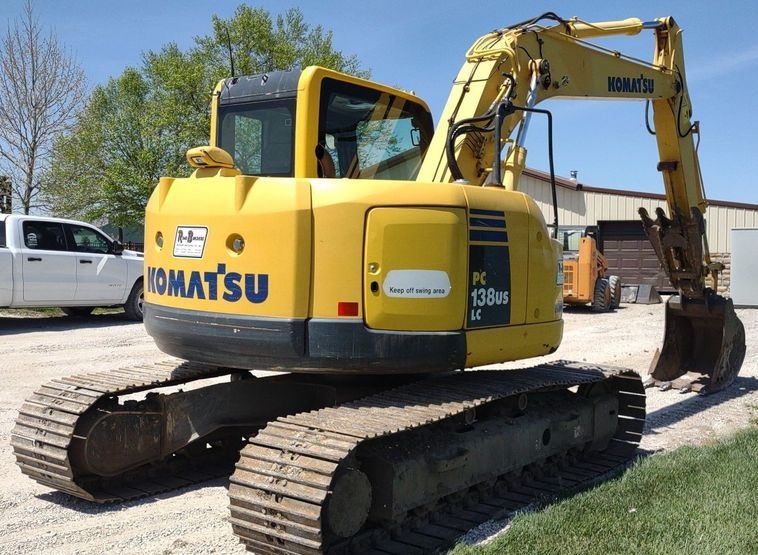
11 325
91 508
693 404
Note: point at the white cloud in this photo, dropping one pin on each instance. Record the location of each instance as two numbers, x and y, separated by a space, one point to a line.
722 65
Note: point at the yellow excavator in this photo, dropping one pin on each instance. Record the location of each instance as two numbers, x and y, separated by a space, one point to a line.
330 235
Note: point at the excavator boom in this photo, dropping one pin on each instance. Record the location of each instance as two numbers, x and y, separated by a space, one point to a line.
509 71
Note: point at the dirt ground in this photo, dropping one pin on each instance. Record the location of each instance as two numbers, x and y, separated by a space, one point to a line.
33 350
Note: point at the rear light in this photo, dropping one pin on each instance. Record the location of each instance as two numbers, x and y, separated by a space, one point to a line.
347 309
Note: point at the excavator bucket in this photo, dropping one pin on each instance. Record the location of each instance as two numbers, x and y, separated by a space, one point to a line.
703 347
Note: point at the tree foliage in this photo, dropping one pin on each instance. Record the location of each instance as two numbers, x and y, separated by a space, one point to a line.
112 157
139 125
261 44
41 88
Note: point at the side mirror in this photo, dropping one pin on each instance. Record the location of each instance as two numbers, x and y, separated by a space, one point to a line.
117 247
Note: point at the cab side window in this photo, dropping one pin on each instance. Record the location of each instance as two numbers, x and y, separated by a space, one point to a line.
46 236
370 134
86 239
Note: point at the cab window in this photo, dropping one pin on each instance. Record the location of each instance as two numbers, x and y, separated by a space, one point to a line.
371 134
570 238
260 136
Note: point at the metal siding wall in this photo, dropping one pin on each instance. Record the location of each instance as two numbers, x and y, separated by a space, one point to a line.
716 226
714 220
587 208
730 220
740 219
721 220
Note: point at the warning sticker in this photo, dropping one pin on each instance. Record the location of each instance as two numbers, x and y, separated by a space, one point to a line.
417 284
190 241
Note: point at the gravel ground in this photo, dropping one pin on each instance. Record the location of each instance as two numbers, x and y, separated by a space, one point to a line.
33 350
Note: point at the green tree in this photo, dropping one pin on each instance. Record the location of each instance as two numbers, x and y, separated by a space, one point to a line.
178 102
138 126
260 43
112 157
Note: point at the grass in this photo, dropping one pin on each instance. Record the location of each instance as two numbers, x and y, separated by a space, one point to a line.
691 501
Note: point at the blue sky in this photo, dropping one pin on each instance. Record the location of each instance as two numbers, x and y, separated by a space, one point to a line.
420 46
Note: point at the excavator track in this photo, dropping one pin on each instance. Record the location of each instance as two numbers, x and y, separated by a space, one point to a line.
284 492
46 429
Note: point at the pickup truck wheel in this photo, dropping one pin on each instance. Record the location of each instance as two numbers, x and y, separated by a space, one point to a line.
77 311
133 305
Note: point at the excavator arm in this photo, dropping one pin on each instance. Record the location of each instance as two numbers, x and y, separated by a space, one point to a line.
510 71
481 136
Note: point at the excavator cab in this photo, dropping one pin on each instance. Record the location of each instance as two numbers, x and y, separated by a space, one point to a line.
319 123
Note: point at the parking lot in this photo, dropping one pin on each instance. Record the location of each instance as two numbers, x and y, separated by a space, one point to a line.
36 349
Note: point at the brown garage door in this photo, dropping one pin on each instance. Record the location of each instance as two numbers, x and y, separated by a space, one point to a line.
630 254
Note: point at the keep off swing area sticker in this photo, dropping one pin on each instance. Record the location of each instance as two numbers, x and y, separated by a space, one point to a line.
190 241
417 284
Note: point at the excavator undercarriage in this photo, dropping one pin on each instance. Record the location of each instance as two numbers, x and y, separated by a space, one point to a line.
408 467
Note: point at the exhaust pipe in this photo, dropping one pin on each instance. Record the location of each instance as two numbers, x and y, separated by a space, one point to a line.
703 347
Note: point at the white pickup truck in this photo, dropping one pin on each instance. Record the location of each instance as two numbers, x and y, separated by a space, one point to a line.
72 265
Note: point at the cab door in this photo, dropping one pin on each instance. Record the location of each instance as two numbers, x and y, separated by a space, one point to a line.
100 274
48 269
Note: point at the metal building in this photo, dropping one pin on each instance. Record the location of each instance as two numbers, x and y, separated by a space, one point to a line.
621 236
